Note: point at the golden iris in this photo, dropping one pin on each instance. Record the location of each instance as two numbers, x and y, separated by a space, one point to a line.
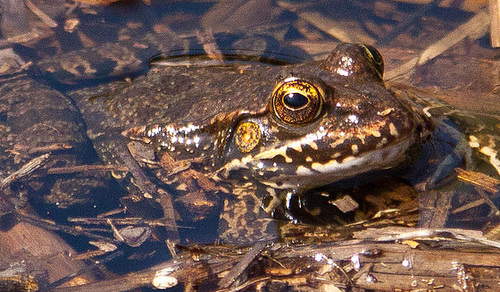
296 101
375 59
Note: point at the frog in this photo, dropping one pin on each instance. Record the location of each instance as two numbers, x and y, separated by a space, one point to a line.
264 133
256 151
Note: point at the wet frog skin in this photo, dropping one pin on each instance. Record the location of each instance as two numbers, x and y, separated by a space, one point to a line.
261 130
303 125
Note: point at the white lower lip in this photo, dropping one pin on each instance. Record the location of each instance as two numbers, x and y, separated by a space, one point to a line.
321 174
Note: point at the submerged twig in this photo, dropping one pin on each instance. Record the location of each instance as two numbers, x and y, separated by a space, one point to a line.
134 221
149 190
330 26
26 150
400 27
242 265
86 269
479 179
43 17
50 225
86 168
25 170
388 235
209 43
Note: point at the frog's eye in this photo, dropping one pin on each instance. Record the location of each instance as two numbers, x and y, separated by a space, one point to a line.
375 58
296 101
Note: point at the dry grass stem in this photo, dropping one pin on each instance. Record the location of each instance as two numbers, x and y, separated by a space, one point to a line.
474 28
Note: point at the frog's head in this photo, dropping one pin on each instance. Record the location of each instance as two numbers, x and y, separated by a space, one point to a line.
325 122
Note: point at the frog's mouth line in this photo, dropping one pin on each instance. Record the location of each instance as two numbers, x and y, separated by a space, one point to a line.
317 174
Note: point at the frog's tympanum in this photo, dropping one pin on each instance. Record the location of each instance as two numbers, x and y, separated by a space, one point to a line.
271 132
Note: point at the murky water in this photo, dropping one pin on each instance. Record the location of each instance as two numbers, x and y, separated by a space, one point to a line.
114 43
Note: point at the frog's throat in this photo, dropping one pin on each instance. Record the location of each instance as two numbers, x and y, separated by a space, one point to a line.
293 176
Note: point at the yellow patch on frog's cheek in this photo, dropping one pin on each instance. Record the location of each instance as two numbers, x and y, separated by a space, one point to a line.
247 136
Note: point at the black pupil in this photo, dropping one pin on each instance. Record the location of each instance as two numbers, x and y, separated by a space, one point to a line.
295 100
376 56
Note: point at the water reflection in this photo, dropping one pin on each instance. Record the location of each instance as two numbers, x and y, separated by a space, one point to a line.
93 45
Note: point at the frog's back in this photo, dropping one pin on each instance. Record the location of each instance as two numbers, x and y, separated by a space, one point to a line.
177 94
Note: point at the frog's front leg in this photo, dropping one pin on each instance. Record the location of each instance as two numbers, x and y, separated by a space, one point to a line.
243 219
459 154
